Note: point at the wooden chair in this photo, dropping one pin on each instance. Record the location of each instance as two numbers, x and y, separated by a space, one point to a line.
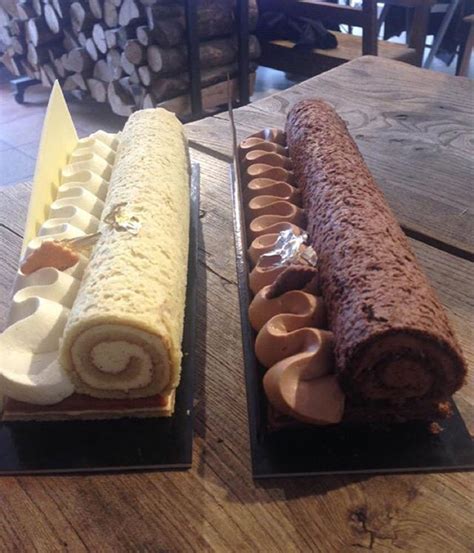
465 51
279 54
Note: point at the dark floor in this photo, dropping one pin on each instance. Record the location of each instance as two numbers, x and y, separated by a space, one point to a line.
20 125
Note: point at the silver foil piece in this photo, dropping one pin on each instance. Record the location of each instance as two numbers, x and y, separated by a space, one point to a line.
81 242
120 220
291 248
117 218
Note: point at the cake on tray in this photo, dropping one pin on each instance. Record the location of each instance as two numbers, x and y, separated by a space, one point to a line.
348 328
96 319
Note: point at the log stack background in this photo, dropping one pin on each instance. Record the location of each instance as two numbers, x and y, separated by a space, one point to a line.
129 53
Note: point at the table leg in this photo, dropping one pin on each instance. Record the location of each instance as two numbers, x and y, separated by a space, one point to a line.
464 55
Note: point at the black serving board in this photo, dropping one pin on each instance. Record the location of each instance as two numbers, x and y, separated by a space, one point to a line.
121 444
342 449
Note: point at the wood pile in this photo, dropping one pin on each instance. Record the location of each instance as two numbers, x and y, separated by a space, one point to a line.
129 53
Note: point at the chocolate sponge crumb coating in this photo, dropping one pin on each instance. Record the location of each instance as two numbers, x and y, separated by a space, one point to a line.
393 339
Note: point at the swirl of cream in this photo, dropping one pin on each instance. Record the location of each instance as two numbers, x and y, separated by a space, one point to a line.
262 146
299 357
274 215
264 243
271 187
268 171
271 205
309 310
268 158
263 139
29 368
126 363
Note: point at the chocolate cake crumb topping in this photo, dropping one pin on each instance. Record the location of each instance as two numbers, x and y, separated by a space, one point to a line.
384 314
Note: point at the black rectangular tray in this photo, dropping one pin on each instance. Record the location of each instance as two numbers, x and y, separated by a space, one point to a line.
343 449
122 444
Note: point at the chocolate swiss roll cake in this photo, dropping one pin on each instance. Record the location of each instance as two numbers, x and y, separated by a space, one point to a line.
393 341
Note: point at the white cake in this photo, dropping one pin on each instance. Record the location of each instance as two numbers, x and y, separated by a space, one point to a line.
123 335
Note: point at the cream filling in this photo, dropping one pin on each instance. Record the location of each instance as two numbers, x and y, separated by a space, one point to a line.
120 357
29 367
115 357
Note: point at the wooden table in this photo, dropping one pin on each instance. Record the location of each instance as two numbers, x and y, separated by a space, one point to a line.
413 127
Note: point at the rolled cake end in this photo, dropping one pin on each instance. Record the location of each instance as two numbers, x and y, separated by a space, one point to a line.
401 364
117 360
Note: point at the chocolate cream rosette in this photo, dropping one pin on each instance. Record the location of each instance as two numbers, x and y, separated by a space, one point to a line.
289 316
379 347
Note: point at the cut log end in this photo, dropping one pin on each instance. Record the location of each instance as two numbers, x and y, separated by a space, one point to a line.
120 100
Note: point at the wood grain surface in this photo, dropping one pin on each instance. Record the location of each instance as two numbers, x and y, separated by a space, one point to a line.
415 129
216 506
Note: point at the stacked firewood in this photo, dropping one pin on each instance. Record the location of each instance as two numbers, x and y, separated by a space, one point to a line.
129 53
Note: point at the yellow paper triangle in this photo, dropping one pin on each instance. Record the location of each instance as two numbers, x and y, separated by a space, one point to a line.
58 140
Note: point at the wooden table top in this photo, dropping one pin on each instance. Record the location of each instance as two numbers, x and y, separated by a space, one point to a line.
412 126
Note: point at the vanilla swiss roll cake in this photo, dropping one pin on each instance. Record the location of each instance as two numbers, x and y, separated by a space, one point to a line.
123 335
